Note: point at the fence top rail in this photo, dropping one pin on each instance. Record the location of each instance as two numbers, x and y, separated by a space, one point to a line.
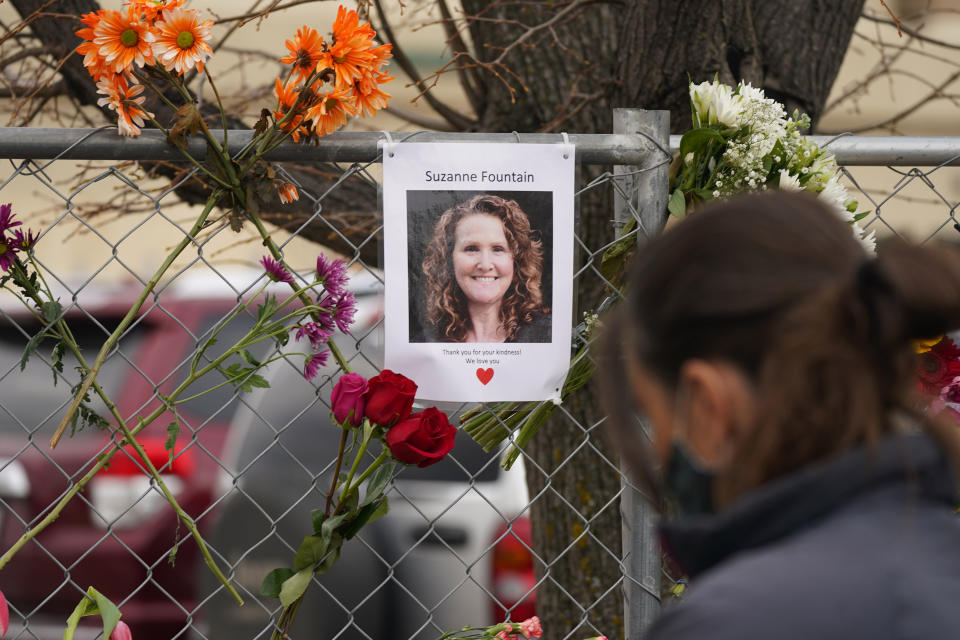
362 146
347 146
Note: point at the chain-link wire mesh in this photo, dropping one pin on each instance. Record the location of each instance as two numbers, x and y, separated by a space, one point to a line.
457 546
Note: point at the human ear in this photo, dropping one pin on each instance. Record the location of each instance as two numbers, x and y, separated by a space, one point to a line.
716 403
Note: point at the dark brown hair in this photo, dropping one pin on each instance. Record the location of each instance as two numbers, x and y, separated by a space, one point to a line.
777 285
446 305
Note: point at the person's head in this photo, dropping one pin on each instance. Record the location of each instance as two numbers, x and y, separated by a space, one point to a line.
759 337
482 252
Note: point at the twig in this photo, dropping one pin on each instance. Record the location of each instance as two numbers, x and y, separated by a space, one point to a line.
896 20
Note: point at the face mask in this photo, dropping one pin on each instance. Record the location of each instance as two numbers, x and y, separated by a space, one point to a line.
687 485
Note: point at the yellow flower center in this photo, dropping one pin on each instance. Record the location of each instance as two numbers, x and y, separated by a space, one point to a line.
339 59
129 38
3 248
185 40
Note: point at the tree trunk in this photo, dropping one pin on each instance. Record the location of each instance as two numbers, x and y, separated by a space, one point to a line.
634 54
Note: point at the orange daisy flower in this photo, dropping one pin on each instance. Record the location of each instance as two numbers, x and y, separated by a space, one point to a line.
331 111
124 98
369 97
306 50
350 54
123 41
347 25
289 97
148 10
287 192
92 60
181 40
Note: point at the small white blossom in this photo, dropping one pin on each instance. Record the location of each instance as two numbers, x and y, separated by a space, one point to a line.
688 159
789 182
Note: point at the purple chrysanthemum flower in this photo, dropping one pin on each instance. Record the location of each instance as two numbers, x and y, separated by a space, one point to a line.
6 218
314 332
313 364
346 309
275 270
328 305
22 241
8 252
333 275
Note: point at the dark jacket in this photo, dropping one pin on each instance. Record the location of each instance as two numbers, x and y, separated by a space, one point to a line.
866 545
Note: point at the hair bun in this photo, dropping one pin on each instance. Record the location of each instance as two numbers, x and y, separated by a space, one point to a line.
910 292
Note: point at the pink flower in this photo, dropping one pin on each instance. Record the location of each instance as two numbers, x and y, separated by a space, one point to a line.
275 270
313 364
503 635
347 399
530 628
4 615
346 309
314 332
333 275
121 632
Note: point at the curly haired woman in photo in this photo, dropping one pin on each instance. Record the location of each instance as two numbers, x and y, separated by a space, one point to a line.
483 271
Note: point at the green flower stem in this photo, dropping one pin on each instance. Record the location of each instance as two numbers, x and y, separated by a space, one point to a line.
222 384
367 433
223 113
184 516
336 471
384 455
68 339
131 314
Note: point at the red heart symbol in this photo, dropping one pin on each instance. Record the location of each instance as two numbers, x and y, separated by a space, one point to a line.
484 375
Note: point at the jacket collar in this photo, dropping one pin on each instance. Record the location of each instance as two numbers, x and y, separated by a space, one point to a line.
697 543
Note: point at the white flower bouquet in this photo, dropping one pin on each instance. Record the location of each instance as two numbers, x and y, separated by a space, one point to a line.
743 141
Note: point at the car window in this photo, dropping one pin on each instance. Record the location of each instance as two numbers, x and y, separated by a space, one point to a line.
28 398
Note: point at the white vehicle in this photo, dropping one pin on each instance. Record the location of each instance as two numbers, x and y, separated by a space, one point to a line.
452 551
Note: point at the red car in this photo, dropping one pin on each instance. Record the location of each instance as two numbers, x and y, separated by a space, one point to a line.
118 534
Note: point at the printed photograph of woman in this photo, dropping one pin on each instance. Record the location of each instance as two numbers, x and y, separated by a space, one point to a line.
481 276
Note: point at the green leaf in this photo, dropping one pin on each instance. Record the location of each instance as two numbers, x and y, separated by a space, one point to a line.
336 544
317 516
93 603
267 309
378 481
697 139
256 380
51 311
294 586
367 514
28 351
173 430
861 215
270 587
311 551
677 204
247 357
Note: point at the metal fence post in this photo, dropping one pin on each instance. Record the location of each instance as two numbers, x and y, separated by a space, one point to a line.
642 191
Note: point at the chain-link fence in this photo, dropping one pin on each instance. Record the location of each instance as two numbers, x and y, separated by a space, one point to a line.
457 546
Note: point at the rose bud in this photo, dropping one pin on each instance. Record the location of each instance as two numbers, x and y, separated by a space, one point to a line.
347 399
4 615
389 398
422 439
121 632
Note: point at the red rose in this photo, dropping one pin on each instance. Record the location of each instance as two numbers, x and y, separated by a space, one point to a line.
422 439
389 398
